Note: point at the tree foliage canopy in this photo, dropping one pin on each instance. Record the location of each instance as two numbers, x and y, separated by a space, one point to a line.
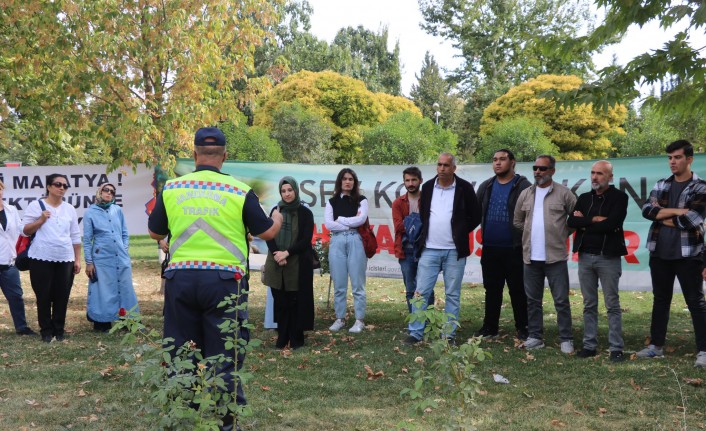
523 136
343 102
501 44
499 39
677 61
139 76
406 138
579 132
355 51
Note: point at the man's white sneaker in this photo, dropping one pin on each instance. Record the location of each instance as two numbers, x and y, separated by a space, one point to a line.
533 343
700 360
567 347
337 325
357 327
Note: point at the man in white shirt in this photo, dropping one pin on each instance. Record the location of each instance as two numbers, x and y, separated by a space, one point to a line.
541 212
449 211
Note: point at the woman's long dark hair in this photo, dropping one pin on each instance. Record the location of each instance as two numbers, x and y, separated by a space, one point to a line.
355 193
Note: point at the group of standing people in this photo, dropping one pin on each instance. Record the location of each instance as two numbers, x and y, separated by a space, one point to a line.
55 258
525 229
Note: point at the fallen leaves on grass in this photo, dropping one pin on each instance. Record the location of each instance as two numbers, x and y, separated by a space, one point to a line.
602 411
557 423
91 418
693 382
670 349
372 375
398 350
107 372
265 388
635 385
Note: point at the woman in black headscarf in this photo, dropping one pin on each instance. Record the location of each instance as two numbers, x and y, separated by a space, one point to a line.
289 268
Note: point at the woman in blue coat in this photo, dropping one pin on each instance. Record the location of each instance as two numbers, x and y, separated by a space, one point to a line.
108 267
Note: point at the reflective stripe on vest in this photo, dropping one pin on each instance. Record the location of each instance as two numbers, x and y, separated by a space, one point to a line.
203 226
204 210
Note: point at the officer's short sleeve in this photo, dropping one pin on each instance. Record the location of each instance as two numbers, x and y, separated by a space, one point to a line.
158 222
254 216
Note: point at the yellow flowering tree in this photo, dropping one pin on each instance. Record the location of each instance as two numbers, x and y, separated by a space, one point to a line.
579 132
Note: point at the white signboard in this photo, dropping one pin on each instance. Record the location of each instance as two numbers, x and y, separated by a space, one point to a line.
135 189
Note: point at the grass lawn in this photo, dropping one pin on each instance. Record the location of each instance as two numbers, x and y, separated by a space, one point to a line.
83 384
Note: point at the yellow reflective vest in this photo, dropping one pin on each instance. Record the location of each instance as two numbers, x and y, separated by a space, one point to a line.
205 215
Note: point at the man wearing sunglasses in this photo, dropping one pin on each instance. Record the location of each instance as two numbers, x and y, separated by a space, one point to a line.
541 213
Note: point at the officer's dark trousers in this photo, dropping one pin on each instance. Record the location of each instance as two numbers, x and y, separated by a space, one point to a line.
191 312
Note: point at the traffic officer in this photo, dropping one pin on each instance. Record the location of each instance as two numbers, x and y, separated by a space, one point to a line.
208 214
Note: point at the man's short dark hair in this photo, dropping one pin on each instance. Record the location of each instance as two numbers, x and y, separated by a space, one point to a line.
678 145
413 171
552 160
510 155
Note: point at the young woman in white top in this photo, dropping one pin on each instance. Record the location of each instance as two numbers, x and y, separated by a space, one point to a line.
345 211
9 274
55 255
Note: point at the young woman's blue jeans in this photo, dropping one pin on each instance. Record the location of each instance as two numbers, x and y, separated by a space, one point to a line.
346 258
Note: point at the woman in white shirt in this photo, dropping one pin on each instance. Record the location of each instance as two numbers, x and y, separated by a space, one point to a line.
345 211
9 274
55 255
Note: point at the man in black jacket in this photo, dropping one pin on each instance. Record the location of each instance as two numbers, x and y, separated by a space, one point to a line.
501 261
598 219
449 211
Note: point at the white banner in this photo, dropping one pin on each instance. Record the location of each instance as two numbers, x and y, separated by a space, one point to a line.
135 190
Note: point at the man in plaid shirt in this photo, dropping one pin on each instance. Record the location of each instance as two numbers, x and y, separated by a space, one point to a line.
677 206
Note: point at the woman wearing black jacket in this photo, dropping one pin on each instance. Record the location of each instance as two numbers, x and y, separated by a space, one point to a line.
289 268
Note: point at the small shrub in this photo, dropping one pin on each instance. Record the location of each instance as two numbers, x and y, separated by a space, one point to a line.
187 391
451 375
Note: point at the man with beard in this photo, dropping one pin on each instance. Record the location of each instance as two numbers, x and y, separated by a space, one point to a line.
541 213
598 219
501 261
405 215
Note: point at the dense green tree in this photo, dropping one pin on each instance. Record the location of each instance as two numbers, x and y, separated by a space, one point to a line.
304 136
432 88
524 136
406 138
499 41
356 52
249 143
678 60
365 57
579 132
138 76
343 102
647 133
